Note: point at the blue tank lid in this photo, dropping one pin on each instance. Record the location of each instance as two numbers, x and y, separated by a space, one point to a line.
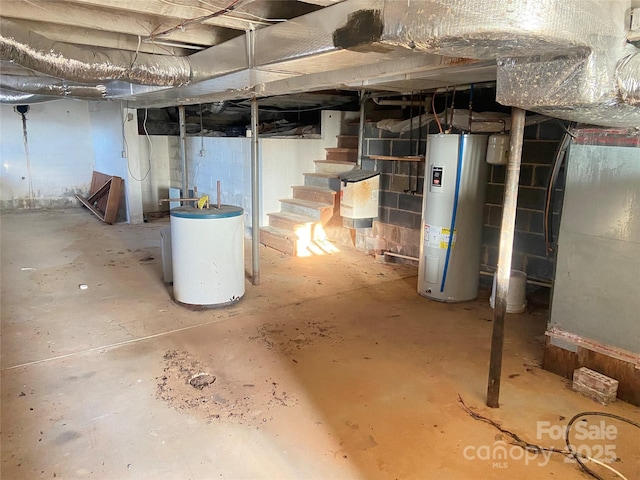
225 211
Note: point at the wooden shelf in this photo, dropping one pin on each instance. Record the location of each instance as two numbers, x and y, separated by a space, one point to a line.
104 197
408 158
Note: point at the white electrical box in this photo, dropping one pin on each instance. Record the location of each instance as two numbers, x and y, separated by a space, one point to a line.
359 193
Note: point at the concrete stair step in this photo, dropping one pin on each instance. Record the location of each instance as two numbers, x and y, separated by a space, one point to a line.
334 166
342 154
280 240
290 222
315 194
322 180
321 212
347 141
302 244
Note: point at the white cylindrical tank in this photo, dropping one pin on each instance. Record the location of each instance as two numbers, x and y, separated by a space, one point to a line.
453 200
516 294
207 255
498 149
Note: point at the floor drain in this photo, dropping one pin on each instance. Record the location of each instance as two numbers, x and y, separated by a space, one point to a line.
201 380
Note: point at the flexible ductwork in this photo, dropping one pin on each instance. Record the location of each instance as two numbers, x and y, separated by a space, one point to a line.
51 87
563 58
17 98
594 88
628 78
75 64
566 59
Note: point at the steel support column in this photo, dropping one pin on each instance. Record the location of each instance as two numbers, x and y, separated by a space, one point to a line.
255 194
503 274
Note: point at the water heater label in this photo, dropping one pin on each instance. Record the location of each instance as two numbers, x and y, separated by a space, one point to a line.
436 175
438 237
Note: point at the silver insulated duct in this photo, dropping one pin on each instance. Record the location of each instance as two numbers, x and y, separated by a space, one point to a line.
51 87
565 58
18 98
568 59
75 64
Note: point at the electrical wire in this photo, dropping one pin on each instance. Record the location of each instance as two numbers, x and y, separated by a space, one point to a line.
453 106
201 133
578 456
569 452
182 25
135 56
126 148
433 109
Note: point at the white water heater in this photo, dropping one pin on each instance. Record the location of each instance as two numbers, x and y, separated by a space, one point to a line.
207 247
452 217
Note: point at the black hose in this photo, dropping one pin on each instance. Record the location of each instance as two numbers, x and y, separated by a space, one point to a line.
553 178
577 455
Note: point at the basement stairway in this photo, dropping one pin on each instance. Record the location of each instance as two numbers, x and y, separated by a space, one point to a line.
298 229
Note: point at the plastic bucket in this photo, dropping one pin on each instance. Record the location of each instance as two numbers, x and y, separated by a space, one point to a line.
516 299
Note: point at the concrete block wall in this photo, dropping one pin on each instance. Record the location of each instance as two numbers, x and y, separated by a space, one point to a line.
530 252
397 228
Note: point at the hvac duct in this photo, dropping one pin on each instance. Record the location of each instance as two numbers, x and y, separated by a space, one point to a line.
61 60
51 87
565 59
582 40
628 78
9 97
585 37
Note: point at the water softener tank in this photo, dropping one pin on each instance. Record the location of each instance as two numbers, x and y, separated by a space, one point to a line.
207 249
452 217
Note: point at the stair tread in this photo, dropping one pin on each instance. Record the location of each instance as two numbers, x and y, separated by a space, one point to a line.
278 232
322 175
339 162
280 240
309 188
306 203
293 217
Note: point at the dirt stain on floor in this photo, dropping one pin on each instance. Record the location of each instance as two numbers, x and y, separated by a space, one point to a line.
288 338
189 385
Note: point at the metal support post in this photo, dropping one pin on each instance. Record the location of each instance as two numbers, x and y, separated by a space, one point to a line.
503 274
183 150
255 194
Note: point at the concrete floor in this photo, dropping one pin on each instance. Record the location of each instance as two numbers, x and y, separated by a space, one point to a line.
333 368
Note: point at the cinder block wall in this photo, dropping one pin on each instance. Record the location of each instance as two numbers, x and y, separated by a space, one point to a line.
530 252
397 228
